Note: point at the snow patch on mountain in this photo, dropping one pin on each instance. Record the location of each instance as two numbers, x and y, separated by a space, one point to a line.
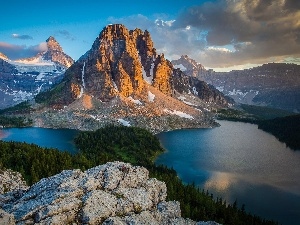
181 67
124 122
151 71
115 86
151 96
145 77
82 75
138 102
39 88
220 88
237 92
21 96
40 76
195 92
36 61
182 98
179 113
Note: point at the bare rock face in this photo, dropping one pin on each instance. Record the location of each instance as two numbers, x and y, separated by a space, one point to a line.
6 218
56 54
207 93
120 63
163 71
11 181
189 66
110 68
113 193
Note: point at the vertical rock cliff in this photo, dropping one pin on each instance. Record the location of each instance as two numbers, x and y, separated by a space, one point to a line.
122 63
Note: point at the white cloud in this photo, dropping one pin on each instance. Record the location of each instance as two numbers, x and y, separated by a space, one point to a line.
21 51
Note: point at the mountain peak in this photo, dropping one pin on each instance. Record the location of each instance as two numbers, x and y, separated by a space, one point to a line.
55 53
189 66
2 56
53 45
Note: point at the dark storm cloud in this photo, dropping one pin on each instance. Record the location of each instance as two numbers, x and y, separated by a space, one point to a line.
22 36
21 51
259 29
253 31
292 5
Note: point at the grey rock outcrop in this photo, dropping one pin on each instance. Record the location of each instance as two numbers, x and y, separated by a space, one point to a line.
11 181
113 193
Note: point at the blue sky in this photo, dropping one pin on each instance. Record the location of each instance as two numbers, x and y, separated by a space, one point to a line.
220 34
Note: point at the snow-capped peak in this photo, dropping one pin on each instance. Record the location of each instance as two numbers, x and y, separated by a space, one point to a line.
2 56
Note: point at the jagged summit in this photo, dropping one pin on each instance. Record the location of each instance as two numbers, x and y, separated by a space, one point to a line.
53 45
119 63
189 66
56 54
2 56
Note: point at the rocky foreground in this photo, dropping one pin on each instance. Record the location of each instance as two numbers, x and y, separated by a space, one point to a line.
113 193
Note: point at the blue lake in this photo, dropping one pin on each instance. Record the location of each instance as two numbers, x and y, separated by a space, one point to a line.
235 161
51 138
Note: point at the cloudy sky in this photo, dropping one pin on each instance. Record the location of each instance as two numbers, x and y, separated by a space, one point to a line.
220 34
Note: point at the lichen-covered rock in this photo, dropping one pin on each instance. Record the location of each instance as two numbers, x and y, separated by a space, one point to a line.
11 181
6 218
113 193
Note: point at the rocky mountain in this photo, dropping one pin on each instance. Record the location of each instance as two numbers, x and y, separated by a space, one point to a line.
122 78
275 85
22 79
113 193
56 54
189 66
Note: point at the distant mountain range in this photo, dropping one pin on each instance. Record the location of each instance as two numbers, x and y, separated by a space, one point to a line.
22 79
275 85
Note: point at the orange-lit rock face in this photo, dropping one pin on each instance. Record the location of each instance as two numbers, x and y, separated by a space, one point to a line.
162 76
87 101
120 62
75 89
114 65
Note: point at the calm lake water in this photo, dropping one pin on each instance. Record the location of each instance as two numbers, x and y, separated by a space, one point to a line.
51 138
238 161
234 161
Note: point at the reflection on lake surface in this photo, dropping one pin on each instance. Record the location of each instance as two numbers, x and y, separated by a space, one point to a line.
238 161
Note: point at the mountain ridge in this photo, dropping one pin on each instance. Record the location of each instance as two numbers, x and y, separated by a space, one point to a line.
274 85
